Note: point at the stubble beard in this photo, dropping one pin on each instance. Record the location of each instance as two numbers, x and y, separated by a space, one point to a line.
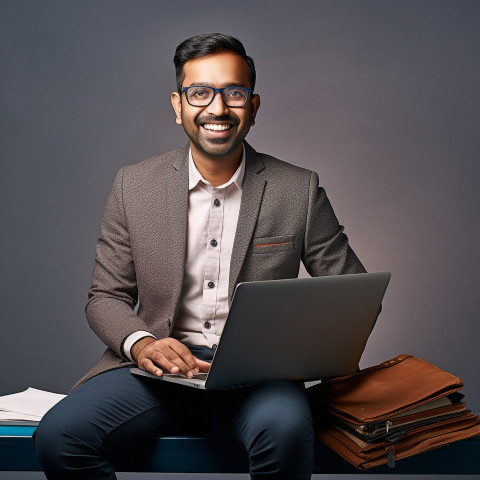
215 147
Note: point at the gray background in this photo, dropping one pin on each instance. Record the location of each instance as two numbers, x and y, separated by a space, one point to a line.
381 98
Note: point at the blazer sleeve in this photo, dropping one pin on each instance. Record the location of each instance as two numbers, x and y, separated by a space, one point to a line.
326 250
113 293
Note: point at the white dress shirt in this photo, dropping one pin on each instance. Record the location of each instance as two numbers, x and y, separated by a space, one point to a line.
212 223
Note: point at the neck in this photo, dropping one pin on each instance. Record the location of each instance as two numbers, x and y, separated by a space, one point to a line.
217 170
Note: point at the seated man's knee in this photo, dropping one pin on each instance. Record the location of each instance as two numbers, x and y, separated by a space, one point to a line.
61 441
48 438
280 440
287 428
286 416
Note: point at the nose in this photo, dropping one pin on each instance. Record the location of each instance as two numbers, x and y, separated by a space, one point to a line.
217 107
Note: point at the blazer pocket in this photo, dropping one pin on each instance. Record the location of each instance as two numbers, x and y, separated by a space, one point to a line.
273 244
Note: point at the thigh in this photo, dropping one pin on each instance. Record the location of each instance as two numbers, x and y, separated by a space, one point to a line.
117 412
273 424
241 414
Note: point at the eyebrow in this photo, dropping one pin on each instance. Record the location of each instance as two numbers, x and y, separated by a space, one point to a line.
209 84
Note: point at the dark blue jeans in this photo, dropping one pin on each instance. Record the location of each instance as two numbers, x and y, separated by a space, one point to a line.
117 415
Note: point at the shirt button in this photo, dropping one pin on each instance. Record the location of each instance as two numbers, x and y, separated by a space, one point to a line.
211 284
214 346
213 243
216 202
207 324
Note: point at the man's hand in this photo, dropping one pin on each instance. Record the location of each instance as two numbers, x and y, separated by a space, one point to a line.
168 354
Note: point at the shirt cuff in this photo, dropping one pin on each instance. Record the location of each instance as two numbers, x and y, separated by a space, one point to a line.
133 338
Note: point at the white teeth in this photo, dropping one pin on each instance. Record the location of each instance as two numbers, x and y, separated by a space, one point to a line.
214 126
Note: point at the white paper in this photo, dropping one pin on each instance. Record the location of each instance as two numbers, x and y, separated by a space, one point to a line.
31 402
12 416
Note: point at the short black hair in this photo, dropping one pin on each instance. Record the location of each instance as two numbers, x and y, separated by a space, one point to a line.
209 44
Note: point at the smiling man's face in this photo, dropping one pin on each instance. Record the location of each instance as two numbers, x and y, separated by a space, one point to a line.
216 130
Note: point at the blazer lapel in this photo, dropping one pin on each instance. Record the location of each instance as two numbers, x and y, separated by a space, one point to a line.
252 194
177 213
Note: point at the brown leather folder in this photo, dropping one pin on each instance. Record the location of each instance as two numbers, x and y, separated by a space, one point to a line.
389 428
402 407
417 441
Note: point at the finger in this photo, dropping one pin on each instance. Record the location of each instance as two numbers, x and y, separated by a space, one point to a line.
203 366
147 365
175 364
167 360
161 353
186 355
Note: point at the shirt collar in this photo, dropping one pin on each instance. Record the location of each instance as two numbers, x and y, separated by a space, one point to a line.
194 176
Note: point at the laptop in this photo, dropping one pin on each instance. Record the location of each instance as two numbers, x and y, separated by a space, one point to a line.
301 329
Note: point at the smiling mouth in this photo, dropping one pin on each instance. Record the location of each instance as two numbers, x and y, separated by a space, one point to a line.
217 127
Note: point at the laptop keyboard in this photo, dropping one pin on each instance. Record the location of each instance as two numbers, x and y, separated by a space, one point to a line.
198 376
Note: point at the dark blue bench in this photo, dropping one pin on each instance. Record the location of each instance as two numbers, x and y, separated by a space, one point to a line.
209 455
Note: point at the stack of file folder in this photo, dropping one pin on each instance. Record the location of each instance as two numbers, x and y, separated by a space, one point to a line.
402 407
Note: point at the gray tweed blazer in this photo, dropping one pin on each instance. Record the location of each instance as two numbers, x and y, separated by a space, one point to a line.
285 218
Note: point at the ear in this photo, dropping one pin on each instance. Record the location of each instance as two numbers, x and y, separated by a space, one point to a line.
176 100
255 107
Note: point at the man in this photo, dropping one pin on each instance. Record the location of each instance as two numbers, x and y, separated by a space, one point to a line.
179 232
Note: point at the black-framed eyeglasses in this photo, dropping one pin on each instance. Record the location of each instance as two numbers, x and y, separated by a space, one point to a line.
201 96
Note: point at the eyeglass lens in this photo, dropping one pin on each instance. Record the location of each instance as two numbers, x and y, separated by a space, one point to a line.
202 96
